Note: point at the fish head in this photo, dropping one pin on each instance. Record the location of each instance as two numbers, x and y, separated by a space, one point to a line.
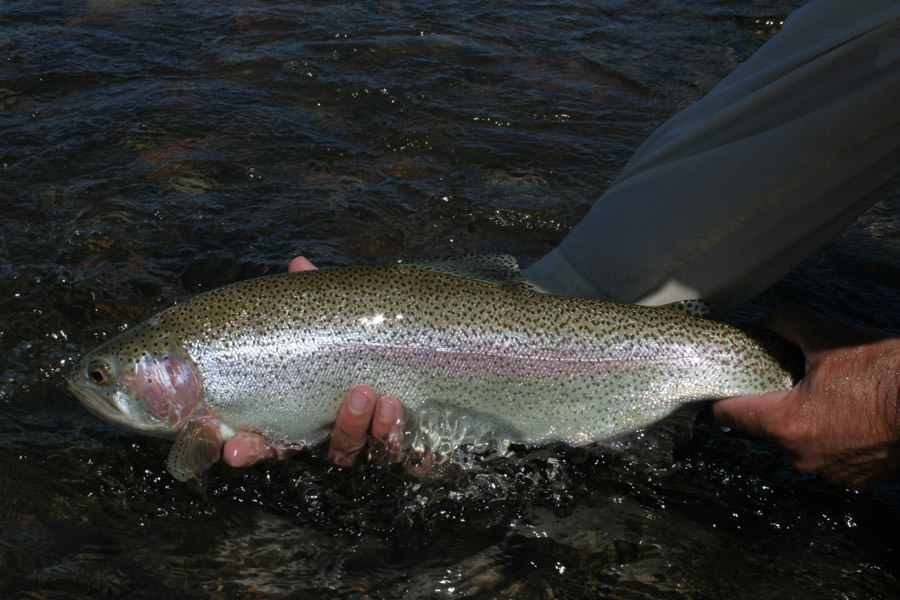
149 389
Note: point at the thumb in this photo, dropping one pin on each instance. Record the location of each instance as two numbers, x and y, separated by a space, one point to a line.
750 414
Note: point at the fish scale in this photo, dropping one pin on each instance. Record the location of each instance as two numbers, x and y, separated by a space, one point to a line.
277 355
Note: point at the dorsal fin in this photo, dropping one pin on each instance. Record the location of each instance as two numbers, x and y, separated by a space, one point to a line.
496 269
693 308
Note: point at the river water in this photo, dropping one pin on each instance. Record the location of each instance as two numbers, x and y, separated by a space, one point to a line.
150 150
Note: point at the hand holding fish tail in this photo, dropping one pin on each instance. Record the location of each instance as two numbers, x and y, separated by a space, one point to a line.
842 419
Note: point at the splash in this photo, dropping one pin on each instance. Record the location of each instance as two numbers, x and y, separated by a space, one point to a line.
454 438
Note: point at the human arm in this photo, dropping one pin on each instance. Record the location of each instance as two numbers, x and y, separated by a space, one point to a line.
729 194
842 419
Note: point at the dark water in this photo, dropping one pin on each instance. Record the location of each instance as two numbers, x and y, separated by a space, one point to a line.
150 150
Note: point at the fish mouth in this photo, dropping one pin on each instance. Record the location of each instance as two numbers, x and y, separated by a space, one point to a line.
94 402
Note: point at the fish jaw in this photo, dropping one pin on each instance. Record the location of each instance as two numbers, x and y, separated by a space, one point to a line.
152 395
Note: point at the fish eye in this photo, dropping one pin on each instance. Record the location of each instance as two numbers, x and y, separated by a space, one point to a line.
98 372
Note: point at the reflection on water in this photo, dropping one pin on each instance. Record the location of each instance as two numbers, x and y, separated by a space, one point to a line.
150 150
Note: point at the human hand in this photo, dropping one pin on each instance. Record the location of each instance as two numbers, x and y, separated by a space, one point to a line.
842 419
363 418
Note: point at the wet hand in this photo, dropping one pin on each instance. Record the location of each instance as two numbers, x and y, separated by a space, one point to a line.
842 419
365 419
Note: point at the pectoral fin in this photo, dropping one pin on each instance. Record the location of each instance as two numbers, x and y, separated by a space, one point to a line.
196 449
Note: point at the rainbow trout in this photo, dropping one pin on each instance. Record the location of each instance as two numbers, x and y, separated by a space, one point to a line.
277 355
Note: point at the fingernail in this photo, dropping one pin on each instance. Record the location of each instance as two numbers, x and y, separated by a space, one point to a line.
386 412
357 403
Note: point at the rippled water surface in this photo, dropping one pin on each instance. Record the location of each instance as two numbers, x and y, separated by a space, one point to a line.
150 150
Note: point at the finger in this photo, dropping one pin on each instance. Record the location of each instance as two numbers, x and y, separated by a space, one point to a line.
387 425
301 263
351 429
246 448
420 464
388 414
750 414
